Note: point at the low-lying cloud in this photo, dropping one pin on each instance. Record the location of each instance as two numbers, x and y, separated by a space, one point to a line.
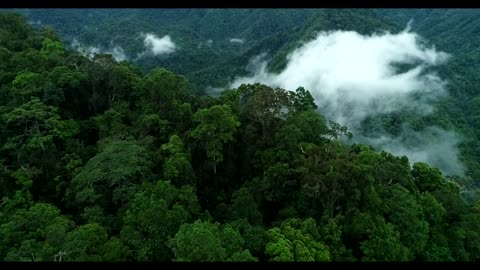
353 76
237 40
207 43
90 51
159 46
119 54
37 22
434 145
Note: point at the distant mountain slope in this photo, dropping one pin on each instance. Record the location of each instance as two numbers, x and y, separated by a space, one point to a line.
206 53
208 57
456 31
203 36
277 46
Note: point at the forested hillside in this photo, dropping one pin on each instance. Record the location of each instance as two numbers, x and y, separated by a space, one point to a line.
211 47
204 37
206 54
455 31
102 162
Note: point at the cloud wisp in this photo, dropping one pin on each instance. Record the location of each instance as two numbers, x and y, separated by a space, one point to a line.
117 51
237 40
159 46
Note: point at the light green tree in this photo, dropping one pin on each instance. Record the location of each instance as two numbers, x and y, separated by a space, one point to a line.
296 240
216 126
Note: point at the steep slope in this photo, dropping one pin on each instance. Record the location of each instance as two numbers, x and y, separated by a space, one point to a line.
278 46
208 57
99 162
456 31
203 37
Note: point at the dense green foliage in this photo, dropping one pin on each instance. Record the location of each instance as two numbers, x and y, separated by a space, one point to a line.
207 58
99 162
205 53
202 36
